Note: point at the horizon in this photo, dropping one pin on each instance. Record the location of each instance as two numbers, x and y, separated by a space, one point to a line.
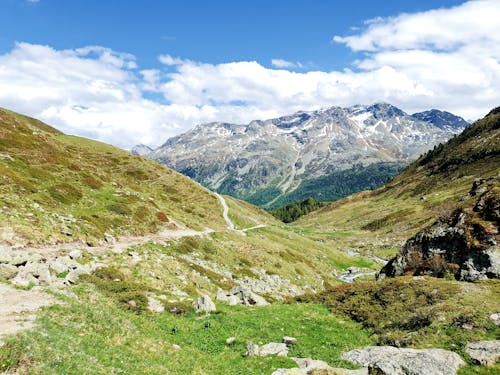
130 74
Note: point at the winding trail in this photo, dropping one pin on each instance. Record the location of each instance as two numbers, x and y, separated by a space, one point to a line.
225 212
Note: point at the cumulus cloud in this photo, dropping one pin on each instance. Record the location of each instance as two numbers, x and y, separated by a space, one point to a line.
444 58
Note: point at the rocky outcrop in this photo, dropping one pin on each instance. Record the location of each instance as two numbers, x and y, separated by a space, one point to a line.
389 360
25 268
240 295
485 353
464 244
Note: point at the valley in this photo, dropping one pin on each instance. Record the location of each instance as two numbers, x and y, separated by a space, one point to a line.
113 249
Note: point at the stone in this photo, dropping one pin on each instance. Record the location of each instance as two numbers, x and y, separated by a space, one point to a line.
109 239
288 340
485 353
73 275
230 340
204 304
389 360
7 271
176 347
311 366
154 305
239 295
57 267
274 348
132 303
75 254
24 280
495 318
252 350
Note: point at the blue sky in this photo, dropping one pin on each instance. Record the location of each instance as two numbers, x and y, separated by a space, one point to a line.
127 71
209 31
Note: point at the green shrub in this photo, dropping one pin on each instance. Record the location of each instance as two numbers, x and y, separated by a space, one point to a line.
119 209
65 193
134 301
109 274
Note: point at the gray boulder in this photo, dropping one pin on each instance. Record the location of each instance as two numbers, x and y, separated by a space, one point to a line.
389 360
308 366
204 304
273 348
485 353
495 319
75 254
240 295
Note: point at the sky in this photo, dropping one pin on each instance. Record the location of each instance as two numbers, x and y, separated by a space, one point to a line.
128 72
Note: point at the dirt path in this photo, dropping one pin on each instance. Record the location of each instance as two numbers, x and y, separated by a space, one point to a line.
18 308
225 212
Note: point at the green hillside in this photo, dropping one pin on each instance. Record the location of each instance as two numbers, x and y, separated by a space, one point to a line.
428 188
71 188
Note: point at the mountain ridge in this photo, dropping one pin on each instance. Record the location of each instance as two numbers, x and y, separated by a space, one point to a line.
272 159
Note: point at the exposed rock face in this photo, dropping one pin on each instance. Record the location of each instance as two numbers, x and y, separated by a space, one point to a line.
204 304
389 360
464 244
484 353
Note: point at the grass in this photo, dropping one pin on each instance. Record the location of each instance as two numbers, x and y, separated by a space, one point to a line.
47 177
94 336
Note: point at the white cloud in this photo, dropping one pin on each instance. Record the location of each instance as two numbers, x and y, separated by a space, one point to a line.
435 59
280 63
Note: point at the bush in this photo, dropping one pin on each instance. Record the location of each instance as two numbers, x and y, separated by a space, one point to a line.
400 304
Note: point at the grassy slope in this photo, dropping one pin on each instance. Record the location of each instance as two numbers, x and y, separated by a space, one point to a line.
46 176
427 189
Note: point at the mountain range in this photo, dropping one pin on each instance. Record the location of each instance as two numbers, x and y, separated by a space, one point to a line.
326 154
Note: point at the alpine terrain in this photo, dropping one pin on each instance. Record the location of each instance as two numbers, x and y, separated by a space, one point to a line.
113 263
325 154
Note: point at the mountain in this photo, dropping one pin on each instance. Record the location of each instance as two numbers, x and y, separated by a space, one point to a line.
141 150
434 186
326 154
442 119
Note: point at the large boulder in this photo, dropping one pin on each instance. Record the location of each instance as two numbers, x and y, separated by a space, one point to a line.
7 271
308 366
389 360
463 244
485 353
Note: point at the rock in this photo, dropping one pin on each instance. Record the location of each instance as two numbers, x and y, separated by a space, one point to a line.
109 239
230 340
204 304
495 318
57 267
289 340
7 271
389 360
485 353
75 254
73 275
176 347
459 244
132 303
274 348
241 295
252 350
24 280
154 305
310 366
